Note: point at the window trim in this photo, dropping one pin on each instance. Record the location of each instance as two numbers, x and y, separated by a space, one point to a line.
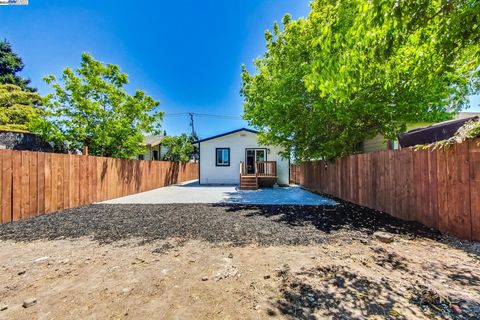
216 158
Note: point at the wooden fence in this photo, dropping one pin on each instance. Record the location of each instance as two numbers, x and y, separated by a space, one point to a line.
439 188
295 174
35 183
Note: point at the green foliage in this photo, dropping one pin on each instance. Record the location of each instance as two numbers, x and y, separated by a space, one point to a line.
470 130
10 64
179 148
17 107
89 107
356 68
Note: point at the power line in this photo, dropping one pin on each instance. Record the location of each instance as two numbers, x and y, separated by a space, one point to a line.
203 115
190 116
223 116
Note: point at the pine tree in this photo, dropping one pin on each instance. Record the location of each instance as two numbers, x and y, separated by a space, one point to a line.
10 65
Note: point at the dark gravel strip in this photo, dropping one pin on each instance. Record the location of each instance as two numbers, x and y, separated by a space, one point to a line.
236 224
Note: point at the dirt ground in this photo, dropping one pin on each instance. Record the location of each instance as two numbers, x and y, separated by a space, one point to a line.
232 262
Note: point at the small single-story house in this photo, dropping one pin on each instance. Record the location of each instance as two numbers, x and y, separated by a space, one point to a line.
153 148
237 157
379 143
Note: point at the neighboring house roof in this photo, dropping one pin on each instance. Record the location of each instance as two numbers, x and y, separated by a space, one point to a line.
18 140
153 140
226 134
437 132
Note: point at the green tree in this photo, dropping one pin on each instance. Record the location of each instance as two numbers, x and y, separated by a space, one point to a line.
18 108
90 107
179 148
10 65
355 68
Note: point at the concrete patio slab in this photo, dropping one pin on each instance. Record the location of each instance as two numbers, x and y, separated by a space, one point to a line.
192 192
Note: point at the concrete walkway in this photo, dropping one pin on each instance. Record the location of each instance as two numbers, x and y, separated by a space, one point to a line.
192 192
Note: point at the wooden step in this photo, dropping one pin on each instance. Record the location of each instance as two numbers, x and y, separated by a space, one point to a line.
248 183
249 186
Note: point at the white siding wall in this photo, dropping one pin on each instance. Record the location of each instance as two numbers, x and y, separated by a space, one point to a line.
163 151
148 154
378 143
237 142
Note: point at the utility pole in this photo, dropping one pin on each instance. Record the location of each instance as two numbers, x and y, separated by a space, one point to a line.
194 137
191 114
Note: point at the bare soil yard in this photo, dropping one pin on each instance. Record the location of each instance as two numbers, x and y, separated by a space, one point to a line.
204 261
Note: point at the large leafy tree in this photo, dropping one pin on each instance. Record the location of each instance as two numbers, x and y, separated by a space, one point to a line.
355 68
10 65
90 107
18 108
179 148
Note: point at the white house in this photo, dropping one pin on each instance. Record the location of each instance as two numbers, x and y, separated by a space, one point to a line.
154 150
236 157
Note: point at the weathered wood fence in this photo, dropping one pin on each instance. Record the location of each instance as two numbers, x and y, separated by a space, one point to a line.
439 188
295 174
35 183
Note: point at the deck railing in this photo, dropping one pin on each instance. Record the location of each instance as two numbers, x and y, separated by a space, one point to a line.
262 169
266 168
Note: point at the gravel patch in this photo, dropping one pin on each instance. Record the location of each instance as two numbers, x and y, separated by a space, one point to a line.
234 224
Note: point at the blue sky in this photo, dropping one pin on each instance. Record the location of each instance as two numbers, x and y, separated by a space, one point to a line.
187 54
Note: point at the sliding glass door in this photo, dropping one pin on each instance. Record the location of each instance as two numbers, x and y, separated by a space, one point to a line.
252 156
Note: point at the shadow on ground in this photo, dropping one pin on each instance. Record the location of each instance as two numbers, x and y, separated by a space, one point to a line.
333 218
235 224
336 292
292 195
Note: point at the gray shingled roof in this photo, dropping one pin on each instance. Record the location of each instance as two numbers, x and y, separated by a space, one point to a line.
152 140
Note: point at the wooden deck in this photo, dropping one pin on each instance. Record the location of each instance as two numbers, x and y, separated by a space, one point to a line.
265 175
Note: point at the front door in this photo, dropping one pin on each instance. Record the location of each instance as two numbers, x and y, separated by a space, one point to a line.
251 156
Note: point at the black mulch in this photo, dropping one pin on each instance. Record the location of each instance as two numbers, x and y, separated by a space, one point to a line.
236 224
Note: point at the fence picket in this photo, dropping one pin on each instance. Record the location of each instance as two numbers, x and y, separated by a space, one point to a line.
474 163
7 180
33 185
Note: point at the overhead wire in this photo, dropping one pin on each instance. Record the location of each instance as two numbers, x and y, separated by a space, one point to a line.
190 116
203 115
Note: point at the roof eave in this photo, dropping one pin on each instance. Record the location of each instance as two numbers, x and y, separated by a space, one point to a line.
225 134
